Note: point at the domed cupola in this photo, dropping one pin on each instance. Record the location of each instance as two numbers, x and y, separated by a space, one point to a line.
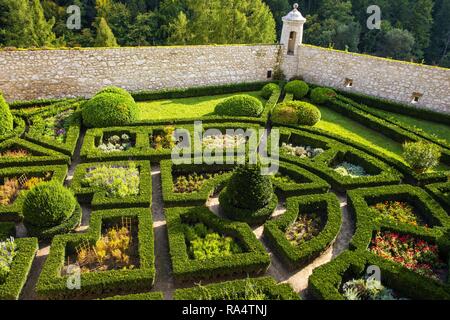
292 33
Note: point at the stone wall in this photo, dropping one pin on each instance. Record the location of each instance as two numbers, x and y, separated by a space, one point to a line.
37 74
26 75
374 76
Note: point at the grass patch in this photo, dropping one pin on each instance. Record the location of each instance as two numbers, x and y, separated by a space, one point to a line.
185 108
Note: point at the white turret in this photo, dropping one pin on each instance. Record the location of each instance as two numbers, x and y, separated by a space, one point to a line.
292 33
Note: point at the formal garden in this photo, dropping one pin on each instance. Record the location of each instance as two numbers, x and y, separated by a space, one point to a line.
93 205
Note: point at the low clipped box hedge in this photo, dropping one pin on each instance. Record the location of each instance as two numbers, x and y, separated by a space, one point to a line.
296 113
53 285
238 288
39 156
240 106
441 193
298 88
326 281
11 288
151 296
99 198
7 229
326 206
254 259
269 89
110 108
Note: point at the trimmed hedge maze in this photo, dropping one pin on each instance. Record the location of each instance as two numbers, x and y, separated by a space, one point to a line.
156 215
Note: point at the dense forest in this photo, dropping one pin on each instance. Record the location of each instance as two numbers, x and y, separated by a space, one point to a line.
412 30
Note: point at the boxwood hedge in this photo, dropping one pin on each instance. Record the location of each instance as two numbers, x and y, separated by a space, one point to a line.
327 206
21 265
19 129
138 296
223 290
99 198
13 212
53 285
254 260
7 229
40 156
441 192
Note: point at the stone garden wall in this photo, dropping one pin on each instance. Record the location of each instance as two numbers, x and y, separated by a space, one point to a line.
374 76
67 73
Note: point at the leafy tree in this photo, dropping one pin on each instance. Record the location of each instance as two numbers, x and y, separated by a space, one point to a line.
43 33
396 43
439 50
144 31
105 36
17 24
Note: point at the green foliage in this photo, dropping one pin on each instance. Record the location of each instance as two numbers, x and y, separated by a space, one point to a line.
268 90
321 95
48 205
240 106
105 36
6 118
298 88
296 113
249 189
115 90
421 155
8 250
109 109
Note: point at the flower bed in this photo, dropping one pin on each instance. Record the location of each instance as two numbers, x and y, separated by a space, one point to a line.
327 281
116 143
52 284
252 259
16 181
109 185
347 169
265 288
398 211
299 248
197 189
57 128
412 253
301 151
367 289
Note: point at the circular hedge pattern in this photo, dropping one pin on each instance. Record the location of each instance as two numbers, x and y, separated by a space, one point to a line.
240 106
48 205
6 118
298 88
109 110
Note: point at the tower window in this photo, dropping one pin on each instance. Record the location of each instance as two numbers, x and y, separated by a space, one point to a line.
292 41
416 97
348 83
269 74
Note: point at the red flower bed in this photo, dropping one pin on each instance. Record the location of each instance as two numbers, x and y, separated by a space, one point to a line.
414 254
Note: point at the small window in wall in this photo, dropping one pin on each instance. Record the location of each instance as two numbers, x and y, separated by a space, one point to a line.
348 83
291 44
416 97
269 74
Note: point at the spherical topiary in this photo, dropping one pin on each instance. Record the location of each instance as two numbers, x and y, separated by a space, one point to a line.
322 95
249 189
48 205
240 106
109 110
6 118
116 90
268 90
308 114
285 113
298 88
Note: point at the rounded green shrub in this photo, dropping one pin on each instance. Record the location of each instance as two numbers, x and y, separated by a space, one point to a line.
249 189
421 155
308 114
322 95
240 106
285 113
48 205
116 90
109 110
298 88
268 90
296 113
6 118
